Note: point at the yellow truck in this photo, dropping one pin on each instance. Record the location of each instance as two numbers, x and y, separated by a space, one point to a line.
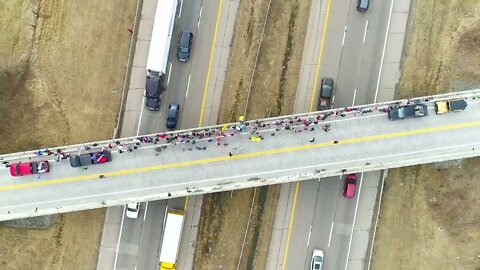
172 235
453 105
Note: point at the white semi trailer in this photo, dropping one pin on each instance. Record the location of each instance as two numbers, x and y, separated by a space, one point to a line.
172 234
161 36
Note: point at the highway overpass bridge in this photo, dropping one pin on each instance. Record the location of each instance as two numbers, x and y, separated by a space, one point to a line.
241 155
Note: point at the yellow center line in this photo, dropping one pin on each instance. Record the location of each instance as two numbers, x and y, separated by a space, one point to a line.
210 63
212 50
320 56
242 156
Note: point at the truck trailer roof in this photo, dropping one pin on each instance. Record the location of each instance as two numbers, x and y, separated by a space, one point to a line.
171 236
161 35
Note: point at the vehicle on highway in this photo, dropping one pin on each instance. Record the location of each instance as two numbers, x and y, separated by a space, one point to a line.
172 235
28 168
172 116
90 158
161 37
153 90
326 93
453 105
132 210
408 111
350 185
317 260
362 5
185 46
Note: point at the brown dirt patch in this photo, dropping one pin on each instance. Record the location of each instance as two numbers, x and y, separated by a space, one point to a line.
225 215
72 243
61 79
430 217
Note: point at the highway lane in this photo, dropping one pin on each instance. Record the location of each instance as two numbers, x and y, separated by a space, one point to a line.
361 54
178 72
356 84
140 239
351 56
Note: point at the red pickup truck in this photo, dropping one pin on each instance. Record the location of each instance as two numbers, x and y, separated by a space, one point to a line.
27 168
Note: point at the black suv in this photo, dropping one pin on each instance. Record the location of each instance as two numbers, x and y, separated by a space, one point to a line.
153 89
172 116
185 46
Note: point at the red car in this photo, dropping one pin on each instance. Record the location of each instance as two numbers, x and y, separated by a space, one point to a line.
350 184
27 168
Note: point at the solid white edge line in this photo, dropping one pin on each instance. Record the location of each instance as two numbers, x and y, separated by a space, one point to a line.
344 34
354 97
376 220
354 219
188 85
119 238
169 72
383 52
330 236
365 34
140 118
180 12
145 213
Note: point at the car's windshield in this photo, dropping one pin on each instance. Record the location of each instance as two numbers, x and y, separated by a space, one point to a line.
184 50
326 90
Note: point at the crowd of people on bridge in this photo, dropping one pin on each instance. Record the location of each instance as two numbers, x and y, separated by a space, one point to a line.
256 129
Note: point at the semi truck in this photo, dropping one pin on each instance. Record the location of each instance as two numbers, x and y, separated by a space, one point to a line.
161 37
172 235
158 52
453 105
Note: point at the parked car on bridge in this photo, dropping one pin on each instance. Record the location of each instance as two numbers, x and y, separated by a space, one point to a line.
90 158
317 260
453 105
408 111
28 168
350 185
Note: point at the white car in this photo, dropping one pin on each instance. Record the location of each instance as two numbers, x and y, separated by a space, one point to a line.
132 210
317 259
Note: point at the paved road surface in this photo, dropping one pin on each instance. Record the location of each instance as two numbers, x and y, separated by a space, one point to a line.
374 143
185 85
352 53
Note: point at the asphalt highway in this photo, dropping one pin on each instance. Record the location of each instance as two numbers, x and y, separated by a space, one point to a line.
352 41
139 246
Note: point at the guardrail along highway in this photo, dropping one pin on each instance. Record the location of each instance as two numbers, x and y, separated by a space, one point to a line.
240 155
